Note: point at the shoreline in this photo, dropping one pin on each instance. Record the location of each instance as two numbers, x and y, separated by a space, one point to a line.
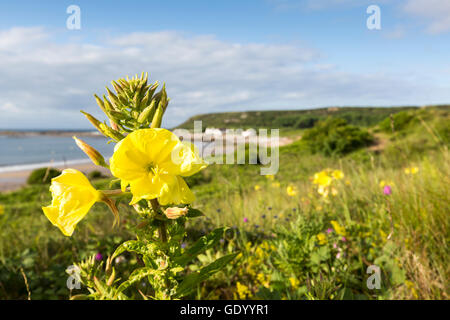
14 180
15 177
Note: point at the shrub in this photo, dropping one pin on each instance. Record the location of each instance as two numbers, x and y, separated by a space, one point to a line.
402 121
42 175
335 136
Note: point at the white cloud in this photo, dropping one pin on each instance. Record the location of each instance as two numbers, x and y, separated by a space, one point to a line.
46 82
435 12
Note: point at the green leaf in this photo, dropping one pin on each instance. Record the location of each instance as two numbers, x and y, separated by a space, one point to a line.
191 280
194 213
136 246
200 246
136 276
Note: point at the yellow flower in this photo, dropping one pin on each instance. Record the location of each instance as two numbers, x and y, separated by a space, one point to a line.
294 282
242 290
337 174
270 177
257 187
322 179
412 170
175 213
2 209
338 228
153 162
73 196
276 184
386 183
322 238
291 191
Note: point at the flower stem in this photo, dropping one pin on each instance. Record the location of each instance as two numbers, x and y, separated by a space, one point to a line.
162 224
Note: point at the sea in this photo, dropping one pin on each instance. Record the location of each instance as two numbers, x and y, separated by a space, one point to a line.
27 152
23 152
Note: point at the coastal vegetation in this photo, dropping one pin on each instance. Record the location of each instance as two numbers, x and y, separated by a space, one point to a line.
361 188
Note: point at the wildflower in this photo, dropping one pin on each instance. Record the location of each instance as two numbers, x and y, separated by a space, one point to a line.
245 219
270 177
291 191
263 216
385 183
222 241
412 170
335 245
98 256
257 187
73 196
175 213
344 239
242 290
276 184
322 238
153 162
337 174
338 228
183 245
2 209
387 190
294 282
329 230
322 179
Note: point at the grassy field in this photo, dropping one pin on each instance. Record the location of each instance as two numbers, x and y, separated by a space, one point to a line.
301 245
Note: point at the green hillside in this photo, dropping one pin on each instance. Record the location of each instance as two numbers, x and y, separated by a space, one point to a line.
296 119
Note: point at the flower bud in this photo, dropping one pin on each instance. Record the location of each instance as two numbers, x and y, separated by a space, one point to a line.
96 123
175 212
95 156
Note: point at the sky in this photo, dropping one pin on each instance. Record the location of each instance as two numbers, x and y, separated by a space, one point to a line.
218 56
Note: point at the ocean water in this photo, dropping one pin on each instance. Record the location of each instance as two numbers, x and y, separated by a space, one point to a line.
30 152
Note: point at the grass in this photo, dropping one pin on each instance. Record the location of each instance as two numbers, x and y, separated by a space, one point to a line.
282 255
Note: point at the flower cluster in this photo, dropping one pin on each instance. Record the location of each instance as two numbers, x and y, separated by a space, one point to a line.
150 163
325 179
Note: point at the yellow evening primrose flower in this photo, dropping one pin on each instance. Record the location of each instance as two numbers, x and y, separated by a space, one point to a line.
291 191
257 187
153 162
72 198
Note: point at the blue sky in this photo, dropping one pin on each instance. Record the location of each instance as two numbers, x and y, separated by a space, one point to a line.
221 55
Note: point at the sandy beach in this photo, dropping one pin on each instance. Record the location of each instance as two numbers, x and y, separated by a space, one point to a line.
13 180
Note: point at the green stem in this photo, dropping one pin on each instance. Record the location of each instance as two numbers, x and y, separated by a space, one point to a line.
162 225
